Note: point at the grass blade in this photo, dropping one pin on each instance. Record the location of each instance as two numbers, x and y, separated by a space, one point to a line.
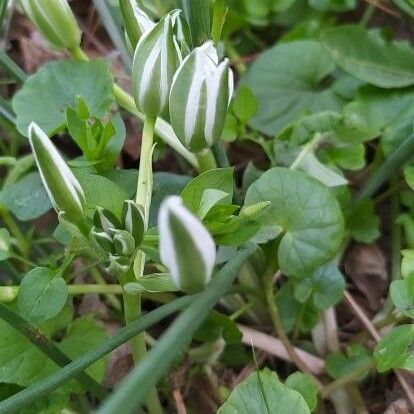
12 68
54 381
135 388
48 347
390 166
114 31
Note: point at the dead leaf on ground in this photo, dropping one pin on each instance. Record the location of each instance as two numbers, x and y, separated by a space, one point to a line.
367 268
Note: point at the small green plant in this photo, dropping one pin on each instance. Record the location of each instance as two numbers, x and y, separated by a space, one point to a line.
250 244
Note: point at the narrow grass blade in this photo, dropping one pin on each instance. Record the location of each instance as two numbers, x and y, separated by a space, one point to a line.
12 68
390 166
114 31
54 381
48 347
136 387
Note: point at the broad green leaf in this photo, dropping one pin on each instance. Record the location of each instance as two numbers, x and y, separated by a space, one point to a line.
325 286
295 314
165 184
333 5
218 325
23 364
46 94
382 112
218 179
26 198
262 393
337 364
5 244
306 386
42 295
209 199
362 222
307 215
102 192
244 105
366 57
407 263
395 349
402 295
286 81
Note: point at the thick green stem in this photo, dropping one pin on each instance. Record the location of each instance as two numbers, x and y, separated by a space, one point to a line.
206 160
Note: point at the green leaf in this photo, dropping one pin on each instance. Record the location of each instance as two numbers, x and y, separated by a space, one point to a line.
156 282
244 104
42 295
381 112
326 286
165 184
262 392
306 386
305 213
286 81
337 364
5 244
23 364
333 5
395 349
362 222
102 192
407 263
26 198
218 325
218 179
46 95
369 58
402 295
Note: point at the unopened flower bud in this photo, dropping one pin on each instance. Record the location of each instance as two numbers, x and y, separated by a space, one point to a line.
186 247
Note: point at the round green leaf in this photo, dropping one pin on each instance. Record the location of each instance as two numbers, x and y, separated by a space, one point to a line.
306 213
286 81
306 386
42 295
369 58
393 351
46 94
262 392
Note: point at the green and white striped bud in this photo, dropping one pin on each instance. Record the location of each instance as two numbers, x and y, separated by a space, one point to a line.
105 220
117 265
200 96
186 246
133 220
123 241
136 21
102 240
62 187
55 20
156 59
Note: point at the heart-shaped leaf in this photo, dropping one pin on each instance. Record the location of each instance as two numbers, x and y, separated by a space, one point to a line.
307 214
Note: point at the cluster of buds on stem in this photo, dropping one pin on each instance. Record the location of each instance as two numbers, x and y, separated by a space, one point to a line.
116 241
55 20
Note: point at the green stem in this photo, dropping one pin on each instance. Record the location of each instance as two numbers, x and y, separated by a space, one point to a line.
134 389
206 160
15 231
48 347
280 330
47 385
162 128
132 303
112 299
